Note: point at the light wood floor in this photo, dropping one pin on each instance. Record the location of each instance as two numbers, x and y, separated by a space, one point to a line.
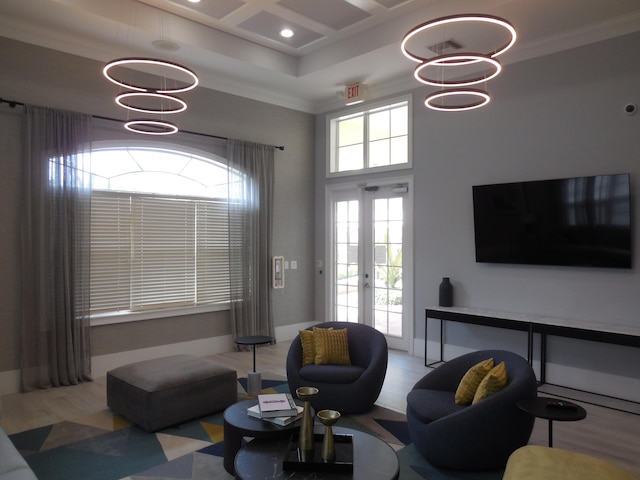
606 433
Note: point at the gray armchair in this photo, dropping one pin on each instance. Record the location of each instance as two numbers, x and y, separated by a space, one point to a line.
347 388
470 437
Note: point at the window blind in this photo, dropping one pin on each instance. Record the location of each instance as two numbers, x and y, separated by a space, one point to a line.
155 252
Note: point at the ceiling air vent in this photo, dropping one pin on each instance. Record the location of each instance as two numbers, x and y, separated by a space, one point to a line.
445 47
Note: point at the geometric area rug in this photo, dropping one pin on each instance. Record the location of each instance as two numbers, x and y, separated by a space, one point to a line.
105 446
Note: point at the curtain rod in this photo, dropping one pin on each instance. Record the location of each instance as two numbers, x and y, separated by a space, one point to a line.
14 104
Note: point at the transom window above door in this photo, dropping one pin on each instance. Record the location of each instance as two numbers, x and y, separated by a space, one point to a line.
377 138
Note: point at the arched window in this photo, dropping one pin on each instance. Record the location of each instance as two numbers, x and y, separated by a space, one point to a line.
159 230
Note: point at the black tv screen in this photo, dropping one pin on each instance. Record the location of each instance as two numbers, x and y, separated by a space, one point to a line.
583 221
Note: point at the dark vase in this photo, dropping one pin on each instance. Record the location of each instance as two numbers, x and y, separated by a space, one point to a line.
446 293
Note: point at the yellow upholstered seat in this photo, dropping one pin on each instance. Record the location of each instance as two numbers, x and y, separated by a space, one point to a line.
533 462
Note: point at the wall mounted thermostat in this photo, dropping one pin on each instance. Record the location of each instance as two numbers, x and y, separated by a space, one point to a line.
277 272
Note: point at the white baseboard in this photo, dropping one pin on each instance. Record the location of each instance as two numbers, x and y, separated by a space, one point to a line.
9 382
203 347
100 365
588 380
602 383
289 332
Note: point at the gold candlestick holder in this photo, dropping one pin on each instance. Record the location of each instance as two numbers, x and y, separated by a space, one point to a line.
328 419
305 441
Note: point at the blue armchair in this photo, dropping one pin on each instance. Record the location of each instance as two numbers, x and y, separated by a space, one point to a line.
347 388
480 436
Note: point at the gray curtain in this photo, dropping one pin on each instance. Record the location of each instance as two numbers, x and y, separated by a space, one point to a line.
55 249
251 179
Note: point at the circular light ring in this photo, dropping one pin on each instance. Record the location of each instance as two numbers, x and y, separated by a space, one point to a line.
456 59
120 100
153 127
484 99
476 17
149 61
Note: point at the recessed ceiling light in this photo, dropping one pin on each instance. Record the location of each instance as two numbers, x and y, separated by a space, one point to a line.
286 33
194 1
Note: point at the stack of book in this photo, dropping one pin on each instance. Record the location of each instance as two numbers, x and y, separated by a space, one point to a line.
277 408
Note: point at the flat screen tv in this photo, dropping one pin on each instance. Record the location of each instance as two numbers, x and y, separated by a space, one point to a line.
583 221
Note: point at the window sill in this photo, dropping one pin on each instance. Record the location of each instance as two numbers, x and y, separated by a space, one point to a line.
125 317
369 170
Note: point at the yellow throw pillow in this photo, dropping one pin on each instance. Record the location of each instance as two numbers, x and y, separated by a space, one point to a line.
495 381
308 347
471 380
332 347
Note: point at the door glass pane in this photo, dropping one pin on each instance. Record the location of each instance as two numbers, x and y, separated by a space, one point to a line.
346 268
387 283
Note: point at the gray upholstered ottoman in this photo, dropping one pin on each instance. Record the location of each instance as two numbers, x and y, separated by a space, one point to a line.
162 392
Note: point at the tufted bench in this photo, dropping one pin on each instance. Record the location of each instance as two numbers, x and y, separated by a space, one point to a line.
164 391
534 462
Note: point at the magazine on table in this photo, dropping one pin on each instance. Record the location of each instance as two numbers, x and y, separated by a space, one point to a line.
277 405
281 421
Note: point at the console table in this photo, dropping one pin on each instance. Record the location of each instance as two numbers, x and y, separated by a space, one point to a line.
475 316
531 324
595 332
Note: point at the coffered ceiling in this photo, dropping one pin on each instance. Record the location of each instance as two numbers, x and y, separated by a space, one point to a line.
235 46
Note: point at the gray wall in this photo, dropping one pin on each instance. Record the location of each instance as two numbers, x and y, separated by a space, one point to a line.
44 77
558 116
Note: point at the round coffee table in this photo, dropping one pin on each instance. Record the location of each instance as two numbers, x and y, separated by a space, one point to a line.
373 459
238 424
546 407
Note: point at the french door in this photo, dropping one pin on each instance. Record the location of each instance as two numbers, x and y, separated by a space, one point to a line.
370 275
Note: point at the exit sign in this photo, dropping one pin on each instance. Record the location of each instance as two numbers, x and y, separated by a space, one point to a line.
354 93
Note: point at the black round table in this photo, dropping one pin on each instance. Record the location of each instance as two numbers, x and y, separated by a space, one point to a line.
254 378
238 424
254 340
543 407
373 459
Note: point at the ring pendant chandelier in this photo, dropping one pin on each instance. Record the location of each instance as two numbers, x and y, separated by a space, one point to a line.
456 88
138 94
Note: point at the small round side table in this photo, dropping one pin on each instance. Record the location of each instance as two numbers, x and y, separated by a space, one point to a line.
552 409
254 380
